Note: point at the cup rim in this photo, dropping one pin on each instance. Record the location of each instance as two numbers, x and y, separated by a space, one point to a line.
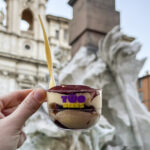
77 91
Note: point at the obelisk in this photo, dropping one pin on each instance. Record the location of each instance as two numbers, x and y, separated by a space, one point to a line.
92 20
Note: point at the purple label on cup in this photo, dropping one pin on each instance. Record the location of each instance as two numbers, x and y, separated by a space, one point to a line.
73 101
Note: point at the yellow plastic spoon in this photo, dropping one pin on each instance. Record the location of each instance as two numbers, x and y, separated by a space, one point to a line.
48 56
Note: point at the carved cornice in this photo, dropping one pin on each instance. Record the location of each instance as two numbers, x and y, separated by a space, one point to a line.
56 18
23 59
21 36
23 78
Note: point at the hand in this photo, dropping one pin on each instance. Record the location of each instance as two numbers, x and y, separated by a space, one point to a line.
15 109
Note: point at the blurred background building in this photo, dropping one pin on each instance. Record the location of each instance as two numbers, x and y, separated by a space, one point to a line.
22 56
144 90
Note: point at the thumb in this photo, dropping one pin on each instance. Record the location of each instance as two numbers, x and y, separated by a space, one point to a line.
29 106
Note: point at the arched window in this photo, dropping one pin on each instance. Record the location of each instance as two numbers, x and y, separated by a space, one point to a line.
3 12
27 20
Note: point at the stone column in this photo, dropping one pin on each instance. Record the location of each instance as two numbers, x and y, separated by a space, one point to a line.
13 19
92 20
1 18
37 26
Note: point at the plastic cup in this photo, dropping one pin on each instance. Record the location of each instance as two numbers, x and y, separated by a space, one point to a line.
74 106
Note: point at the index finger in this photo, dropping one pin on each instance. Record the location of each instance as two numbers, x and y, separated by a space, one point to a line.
14 98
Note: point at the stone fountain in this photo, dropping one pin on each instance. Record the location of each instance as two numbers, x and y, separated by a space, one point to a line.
125 122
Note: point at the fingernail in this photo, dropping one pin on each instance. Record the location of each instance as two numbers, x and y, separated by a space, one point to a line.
39 95
28 90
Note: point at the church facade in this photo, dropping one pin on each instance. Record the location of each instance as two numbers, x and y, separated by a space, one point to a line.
22 55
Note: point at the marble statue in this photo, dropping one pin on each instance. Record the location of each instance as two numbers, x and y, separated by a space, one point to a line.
115 69
125 122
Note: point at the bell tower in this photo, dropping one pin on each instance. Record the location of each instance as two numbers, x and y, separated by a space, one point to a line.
26 10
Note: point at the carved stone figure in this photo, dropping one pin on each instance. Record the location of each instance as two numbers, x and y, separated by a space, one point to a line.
125 122
115 69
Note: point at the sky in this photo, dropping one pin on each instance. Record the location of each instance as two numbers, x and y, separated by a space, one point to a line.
135 21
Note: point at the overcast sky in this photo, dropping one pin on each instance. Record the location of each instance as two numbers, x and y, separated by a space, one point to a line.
135 21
